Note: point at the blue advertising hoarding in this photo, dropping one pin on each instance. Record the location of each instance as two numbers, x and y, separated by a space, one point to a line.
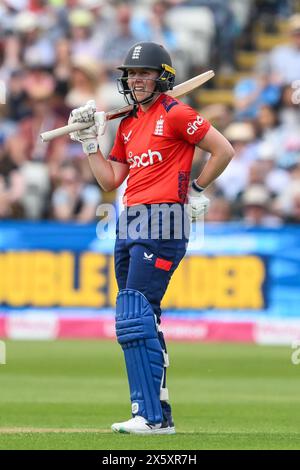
235 272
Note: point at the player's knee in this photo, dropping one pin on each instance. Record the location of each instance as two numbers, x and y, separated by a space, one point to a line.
135 319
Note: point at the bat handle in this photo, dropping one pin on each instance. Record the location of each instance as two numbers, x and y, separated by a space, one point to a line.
77 126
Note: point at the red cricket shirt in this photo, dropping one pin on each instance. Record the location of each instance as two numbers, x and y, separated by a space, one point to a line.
158 145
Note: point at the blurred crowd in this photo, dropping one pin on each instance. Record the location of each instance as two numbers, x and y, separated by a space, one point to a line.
56 55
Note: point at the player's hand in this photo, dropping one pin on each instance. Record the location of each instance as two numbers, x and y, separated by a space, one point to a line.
88 137
100 121
198 204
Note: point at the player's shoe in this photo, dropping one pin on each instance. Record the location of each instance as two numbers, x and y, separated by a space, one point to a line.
139 425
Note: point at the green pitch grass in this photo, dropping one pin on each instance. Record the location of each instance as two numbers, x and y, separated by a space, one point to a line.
65 395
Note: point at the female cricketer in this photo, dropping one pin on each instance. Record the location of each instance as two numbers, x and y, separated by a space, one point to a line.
154 148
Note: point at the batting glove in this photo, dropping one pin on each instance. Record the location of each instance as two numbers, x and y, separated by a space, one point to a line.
88 137
198 203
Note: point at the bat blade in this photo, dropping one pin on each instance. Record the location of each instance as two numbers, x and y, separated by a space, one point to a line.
187 87
178 92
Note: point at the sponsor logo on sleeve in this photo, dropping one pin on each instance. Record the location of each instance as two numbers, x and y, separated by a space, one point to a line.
194 126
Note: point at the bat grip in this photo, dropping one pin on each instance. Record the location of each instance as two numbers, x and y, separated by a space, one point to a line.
77 126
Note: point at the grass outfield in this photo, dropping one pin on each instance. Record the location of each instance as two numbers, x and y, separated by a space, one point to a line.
66 394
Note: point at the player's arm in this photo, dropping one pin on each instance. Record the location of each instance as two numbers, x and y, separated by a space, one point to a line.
221 153
189 126
109 174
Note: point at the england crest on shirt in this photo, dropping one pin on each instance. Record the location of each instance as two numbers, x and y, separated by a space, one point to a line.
159 128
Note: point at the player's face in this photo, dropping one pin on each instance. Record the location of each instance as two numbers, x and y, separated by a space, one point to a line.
142 82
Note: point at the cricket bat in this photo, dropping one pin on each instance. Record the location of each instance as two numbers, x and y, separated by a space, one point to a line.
178 92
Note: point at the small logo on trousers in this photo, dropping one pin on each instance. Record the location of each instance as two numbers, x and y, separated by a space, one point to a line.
134 408
148 257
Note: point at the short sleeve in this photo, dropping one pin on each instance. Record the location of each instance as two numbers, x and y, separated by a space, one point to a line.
117 153
187 124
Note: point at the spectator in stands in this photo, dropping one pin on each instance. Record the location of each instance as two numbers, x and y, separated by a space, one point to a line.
11 60
284 60
256 173
295 217
276 179
89 82
219 210
288 202
11 180
7 126
153 26
253 92
257 208
72 200
194 26
226 30
270 10
63 63
37 48
267 120
289 111
5 208
257 177
17 99
233 180
282 8
40 86
83 43
104 20
120 40
285 139
8 11
219 115
85 74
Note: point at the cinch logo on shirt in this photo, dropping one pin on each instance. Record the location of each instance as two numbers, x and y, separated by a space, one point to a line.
145 159
194 126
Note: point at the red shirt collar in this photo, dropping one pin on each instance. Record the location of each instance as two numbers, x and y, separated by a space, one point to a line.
153 106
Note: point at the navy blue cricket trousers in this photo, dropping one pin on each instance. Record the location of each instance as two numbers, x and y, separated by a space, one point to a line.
146 262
